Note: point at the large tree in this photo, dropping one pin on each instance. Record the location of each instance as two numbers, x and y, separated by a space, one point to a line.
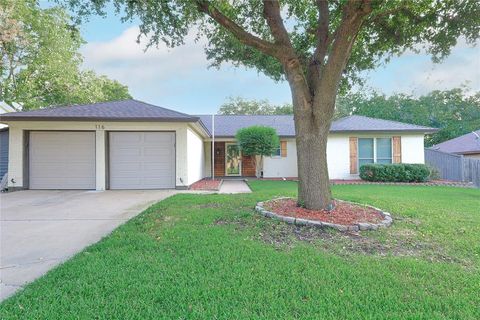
454 112
317 46
40 62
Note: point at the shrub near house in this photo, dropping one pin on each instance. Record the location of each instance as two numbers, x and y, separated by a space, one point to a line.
401 172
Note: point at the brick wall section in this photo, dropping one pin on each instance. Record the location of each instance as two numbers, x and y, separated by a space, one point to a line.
248 166
219 165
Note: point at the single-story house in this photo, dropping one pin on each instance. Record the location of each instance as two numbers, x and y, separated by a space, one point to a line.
467 145
130 144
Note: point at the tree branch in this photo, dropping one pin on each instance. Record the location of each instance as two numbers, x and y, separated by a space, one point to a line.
322 35
236 30
354 14
271 13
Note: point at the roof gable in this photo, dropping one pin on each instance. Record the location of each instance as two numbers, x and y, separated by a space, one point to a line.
122 110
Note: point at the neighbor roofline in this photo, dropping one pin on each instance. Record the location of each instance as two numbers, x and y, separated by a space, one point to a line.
466 152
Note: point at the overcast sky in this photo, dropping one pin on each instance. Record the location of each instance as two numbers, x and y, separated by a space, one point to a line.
179 78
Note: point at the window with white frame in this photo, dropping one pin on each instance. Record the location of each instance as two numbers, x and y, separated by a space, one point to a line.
374 150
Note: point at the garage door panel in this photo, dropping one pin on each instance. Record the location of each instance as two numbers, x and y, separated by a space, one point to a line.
132 181
127 138
123 167
156 138
156 151
122 152
62 160
70 183
142 160
81 153
149 167
53 169
161 159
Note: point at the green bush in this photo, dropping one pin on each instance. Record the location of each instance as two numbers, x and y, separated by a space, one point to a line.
434 173
257 140
401 172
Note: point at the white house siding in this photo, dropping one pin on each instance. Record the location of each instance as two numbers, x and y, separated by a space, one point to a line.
16 142
207 147
338 155
413 148
195 157
275 167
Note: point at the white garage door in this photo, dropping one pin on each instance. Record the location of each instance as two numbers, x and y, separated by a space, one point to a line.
62 160
142 160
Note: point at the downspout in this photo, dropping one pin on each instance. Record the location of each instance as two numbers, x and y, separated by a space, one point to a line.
213 146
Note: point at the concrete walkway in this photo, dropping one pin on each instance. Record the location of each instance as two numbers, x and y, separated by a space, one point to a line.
41 229
234 186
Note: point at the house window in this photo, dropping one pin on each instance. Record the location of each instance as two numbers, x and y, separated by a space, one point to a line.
365 151
374 150
277 152
384 150
281 150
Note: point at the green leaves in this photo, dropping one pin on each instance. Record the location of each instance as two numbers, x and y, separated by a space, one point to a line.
257 140
240 106
41 63
454 111
390 29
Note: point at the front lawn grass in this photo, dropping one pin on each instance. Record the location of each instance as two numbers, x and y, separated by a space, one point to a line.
212 257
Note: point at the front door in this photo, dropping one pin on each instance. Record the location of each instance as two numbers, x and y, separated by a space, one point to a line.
233 160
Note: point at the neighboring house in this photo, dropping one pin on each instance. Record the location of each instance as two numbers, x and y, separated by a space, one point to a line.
467 145
3 151
130 144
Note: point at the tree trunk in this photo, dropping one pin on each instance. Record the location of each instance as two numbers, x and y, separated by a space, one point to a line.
314 184
312 130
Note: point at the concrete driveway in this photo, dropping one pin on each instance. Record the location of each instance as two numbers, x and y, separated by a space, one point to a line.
41 229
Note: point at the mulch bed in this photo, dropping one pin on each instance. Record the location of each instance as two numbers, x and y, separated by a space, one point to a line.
206 184
344 213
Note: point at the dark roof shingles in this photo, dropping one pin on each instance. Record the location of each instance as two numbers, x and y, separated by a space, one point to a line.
111 110
468 143
227 125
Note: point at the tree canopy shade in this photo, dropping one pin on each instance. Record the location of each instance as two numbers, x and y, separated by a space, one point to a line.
257 141
241 106
317 46
453 111
41 63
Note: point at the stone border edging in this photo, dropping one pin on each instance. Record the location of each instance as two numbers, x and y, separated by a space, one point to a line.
362 226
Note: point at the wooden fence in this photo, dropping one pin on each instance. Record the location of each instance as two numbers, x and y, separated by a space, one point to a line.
454 167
